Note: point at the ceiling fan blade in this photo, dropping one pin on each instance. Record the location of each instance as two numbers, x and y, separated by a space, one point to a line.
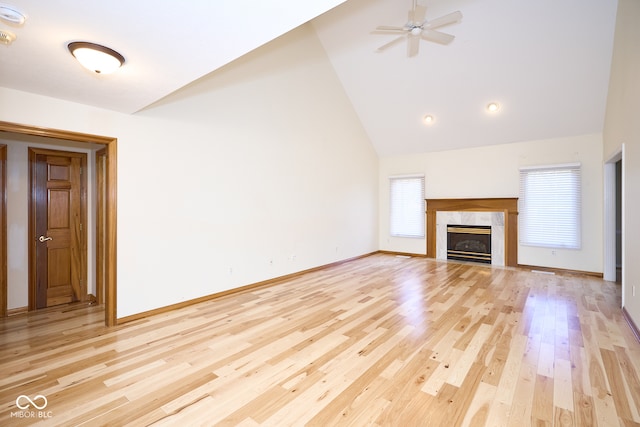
413 45
390 32
437 36
389 28
447 19
417 14
391 43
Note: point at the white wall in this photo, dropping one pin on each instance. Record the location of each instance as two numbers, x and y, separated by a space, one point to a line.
18 217
493 171
623 127
258 170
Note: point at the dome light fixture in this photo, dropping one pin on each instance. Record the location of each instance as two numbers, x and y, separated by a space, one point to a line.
492 107
6 37
428 119
97 58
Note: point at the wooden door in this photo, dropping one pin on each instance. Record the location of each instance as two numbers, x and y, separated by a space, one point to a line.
57 215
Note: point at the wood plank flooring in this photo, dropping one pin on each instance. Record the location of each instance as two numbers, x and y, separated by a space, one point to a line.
382 340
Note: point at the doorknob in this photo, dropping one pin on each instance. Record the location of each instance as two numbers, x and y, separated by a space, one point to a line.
44 239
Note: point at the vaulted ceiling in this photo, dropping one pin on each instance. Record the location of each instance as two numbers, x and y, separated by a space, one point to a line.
545 62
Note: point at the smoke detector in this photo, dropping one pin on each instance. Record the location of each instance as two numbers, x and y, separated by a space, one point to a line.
11 15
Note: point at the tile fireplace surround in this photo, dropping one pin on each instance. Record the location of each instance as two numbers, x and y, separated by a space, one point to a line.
507 208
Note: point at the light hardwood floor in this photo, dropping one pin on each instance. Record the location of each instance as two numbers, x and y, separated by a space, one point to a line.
381 340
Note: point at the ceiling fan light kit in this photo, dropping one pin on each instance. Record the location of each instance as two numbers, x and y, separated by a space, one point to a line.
97 58
418 28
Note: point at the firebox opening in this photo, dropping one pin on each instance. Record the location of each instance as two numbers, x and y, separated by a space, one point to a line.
469 243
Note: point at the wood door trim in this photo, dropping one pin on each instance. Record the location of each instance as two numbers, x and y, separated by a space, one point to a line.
100 161
111 202
33 246
3 235
34 270
55 133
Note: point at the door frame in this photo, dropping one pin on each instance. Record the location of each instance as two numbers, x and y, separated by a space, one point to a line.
33 151
3 225
100 171
609 270
110 238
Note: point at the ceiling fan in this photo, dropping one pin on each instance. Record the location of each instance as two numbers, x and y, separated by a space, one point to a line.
418 28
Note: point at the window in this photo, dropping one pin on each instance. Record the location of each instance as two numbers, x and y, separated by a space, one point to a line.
407 206
550 205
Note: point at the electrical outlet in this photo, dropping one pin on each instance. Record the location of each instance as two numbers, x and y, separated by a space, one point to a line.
553 253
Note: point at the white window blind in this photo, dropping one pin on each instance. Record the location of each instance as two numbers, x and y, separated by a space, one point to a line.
407 206
550 206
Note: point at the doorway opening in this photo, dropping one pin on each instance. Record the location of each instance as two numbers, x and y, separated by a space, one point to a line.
106 175
614 219
618 184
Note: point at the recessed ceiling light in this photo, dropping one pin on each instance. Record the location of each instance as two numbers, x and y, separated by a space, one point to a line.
11 14
97 58
428 119
493 107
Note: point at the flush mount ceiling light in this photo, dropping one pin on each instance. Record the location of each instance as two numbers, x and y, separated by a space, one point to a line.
428 119
493 107
11 14
97 58
6 37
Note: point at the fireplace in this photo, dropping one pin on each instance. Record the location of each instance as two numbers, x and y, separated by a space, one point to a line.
505 230
469 243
